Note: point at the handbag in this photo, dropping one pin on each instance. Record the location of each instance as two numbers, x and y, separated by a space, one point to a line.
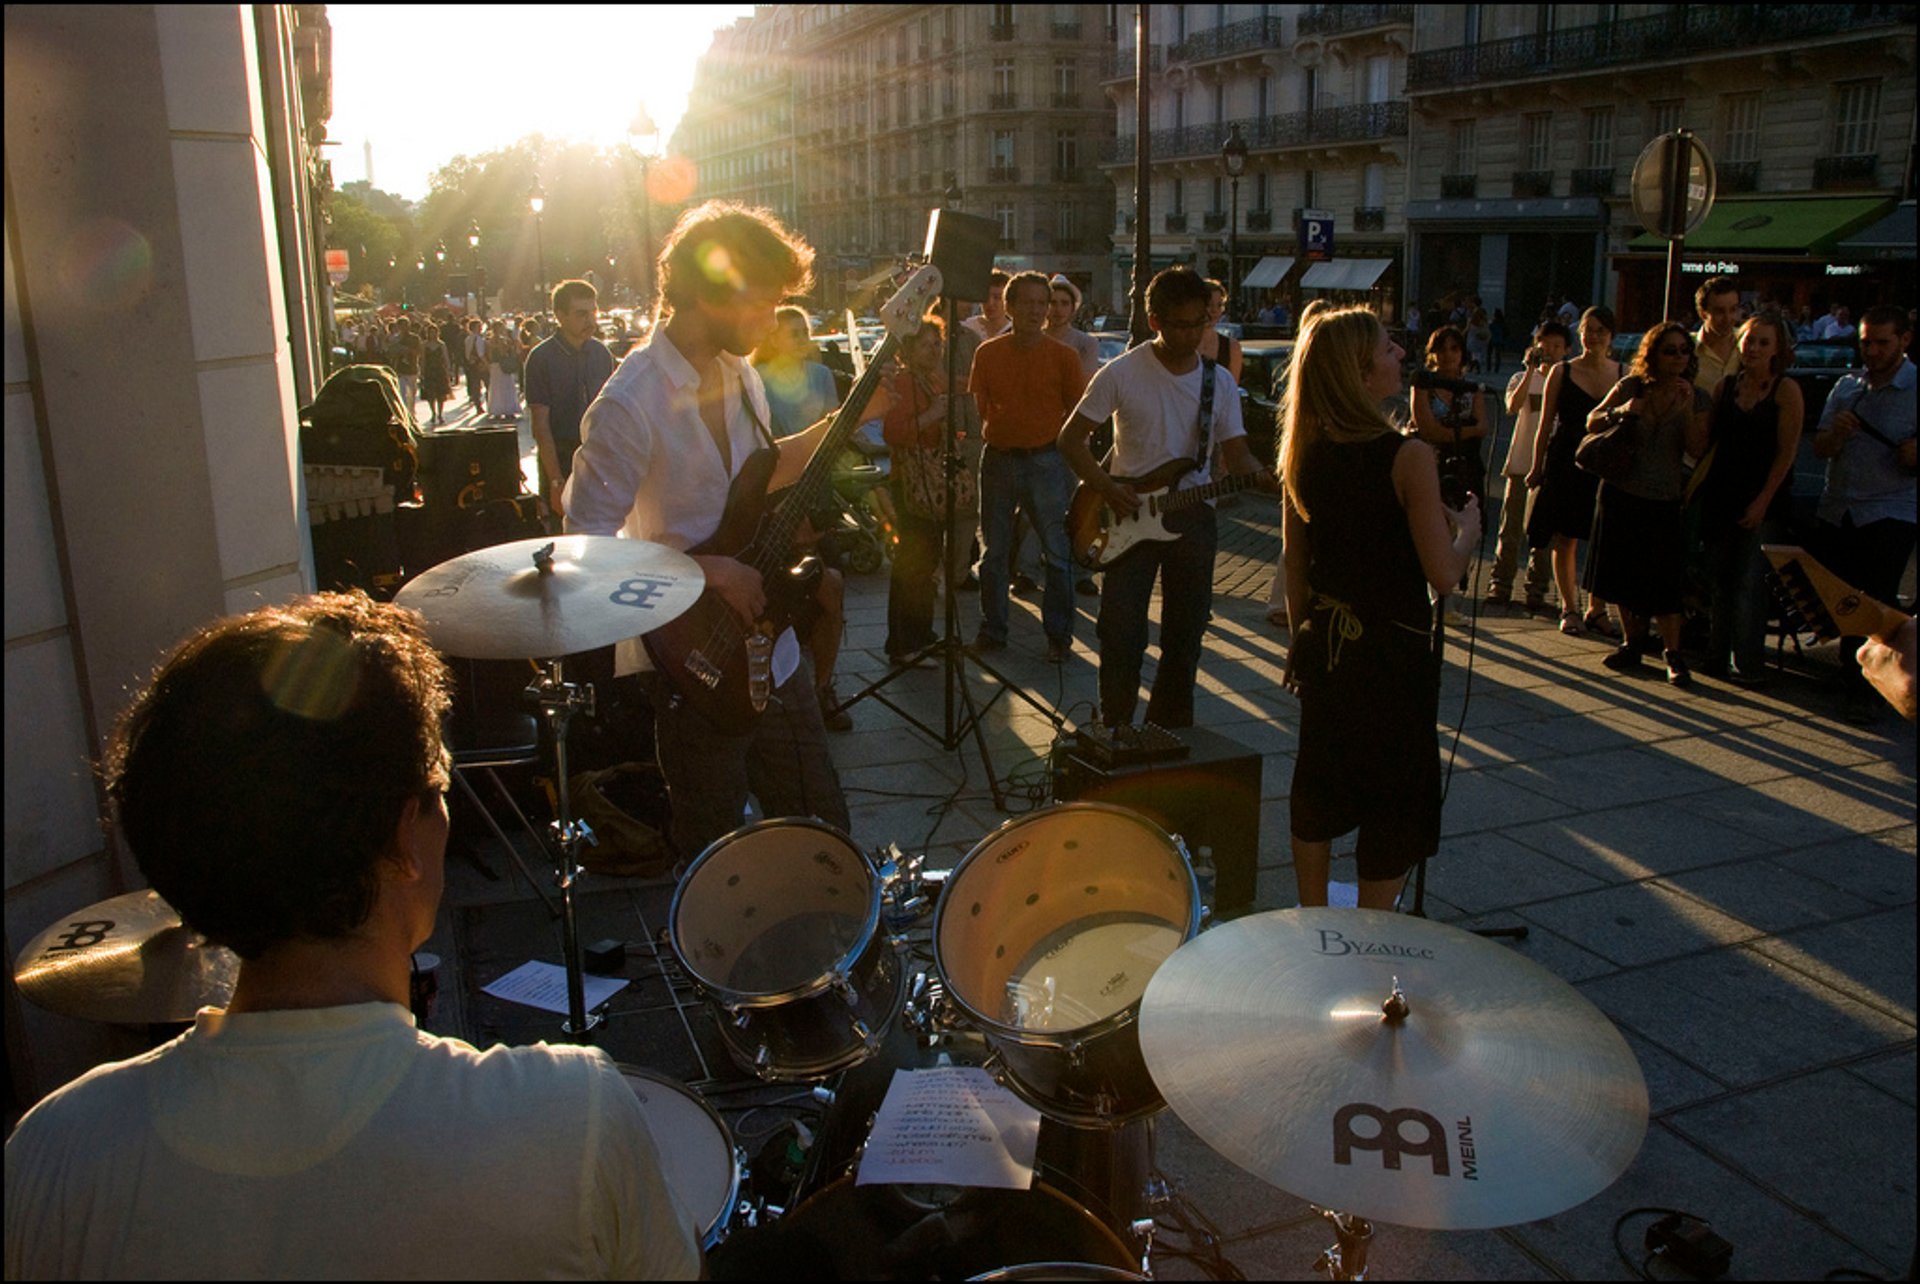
922 477
1608 454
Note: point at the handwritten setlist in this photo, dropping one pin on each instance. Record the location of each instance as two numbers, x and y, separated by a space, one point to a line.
951 1127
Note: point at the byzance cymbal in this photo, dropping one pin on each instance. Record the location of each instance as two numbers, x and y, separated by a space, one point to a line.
1500 1096
127 960
499 604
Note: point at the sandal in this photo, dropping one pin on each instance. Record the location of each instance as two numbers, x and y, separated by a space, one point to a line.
1598 623
1570 624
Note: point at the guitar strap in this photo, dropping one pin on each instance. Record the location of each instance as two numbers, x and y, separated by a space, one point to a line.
746 404
1206 409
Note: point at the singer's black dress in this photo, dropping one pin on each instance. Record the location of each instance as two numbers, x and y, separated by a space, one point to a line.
1365 665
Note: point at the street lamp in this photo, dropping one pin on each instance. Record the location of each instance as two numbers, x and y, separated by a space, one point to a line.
1233 154
537 201
641 127
479 273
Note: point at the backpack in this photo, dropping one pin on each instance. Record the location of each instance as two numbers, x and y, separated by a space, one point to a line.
357 418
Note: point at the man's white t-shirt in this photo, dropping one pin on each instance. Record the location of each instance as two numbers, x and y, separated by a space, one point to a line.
342 1143
1156 414
1526 424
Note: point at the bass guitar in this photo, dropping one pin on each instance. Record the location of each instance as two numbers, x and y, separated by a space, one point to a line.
721 667
1099 536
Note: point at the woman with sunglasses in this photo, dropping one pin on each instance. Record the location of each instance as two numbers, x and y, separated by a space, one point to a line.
1639 535
1743 498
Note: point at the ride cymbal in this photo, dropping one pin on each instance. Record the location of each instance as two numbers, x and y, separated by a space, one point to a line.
1501 1095
499 604
127 960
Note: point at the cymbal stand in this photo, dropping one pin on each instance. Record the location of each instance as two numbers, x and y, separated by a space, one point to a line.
559 700
1347 1258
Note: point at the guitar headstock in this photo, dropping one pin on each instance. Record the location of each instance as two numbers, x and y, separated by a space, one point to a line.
1830 606
910 302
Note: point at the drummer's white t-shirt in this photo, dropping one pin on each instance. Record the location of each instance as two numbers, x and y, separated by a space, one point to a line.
1156 414
342 1143
647 467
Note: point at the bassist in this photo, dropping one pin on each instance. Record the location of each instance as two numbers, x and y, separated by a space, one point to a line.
1155 395
660 447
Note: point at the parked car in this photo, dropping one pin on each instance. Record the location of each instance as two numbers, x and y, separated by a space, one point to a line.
1113 343
1263 370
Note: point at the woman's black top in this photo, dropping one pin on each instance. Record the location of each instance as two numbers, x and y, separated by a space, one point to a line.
1363 554
1745 444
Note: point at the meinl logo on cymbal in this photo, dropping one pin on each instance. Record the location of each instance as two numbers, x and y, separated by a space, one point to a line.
1336 944
1390 1137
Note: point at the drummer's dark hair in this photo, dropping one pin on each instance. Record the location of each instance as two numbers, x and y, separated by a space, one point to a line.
260 776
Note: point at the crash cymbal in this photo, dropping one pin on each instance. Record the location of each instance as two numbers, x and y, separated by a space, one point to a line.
497 604
127 960
1500 1096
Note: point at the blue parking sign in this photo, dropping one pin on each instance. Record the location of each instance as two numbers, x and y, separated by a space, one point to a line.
1316 234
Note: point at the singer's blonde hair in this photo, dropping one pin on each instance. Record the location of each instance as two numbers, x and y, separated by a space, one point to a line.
1326 395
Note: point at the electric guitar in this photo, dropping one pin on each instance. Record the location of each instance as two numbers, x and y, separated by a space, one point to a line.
720 667
1828 605
1099 536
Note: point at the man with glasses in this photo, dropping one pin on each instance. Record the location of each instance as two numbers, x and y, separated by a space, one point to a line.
1155 394
564 374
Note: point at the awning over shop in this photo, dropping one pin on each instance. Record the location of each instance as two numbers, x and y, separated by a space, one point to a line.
1890 238
1345 274
1268 272
1794 224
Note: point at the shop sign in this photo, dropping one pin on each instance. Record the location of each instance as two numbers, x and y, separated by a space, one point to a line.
1712 267
1846 269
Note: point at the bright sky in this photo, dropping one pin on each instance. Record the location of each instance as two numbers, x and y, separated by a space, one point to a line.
426 83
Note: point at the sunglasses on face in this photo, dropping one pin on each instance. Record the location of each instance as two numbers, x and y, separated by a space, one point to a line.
1673 352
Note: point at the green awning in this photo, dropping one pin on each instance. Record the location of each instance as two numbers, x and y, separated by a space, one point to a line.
1781 224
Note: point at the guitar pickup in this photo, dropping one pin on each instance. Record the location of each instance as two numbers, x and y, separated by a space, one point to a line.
703 670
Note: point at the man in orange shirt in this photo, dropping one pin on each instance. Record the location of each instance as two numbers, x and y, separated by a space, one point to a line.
1026 385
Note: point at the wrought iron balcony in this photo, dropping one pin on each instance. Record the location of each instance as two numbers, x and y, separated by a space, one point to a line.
1069 175
1338 19
1681 31
1003 173
1249 36
1831 172
1737 176
1358 123
1066 100
1214 220
1533 182
1259 220
1002 102
1591 182
1370 218
1457 187
1176 222
1066 31
1119 64
1000 31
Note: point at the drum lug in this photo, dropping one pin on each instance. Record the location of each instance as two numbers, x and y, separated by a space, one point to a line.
1076 1054
763 1061
868 1039
843 986
741 1017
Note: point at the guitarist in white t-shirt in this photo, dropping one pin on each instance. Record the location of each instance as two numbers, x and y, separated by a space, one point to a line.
1155 394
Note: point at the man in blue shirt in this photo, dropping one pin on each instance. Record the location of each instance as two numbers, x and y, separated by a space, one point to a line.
1866 436
564 374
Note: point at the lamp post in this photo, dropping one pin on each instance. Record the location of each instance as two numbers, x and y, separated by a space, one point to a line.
1233 154
640 127
440 268
537 200
479 273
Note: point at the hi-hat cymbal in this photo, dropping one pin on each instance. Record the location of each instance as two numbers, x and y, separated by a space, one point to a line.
127 960
1501 1096
497 604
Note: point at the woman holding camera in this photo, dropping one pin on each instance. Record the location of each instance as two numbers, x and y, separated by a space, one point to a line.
1562 513
1639 535
1365 537
1756 421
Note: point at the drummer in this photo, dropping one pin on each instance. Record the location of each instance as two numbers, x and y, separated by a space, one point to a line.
282 783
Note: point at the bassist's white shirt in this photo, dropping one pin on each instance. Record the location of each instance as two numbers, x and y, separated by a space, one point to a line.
1156 414
647 467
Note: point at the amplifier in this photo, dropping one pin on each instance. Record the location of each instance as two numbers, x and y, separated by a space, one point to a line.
460 467
1211 798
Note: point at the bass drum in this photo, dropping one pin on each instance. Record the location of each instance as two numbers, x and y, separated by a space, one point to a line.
778 923
885 1232
696 1148
1046 936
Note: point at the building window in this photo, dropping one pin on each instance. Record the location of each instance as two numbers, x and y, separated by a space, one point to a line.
1463 150
1066 224
1540 141
1003 15
1307 186
1179 196
900 47
1263 96
1066 151
1005 214
1066 78
1219 102
1001 156
1003 77
1219 194
1373 187
1180 106
1665 116
1856 118
1262 197
1600 138
1741 142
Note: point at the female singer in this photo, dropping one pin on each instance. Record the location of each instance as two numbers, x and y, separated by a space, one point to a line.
1365 537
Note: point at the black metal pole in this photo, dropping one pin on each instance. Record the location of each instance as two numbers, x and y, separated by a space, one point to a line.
1142 178
1679 160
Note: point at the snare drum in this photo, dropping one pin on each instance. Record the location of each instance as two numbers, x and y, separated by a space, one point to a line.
697 1155
1046 935
778 924
884 1232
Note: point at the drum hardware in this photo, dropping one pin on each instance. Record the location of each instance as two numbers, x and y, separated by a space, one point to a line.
1346 1259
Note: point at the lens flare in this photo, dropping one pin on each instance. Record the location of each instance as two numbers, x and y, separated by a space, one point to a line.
314 678
106 265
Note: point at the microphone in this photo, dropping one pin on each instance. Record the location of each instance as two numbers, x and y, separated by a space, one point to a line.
1463 387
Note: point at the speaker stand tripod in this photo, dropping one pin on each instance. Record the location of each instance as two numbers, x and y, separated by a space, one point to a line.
954 656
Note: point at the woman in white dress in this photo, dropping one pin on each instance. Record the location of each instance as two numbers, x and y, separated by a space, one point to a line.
503 369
